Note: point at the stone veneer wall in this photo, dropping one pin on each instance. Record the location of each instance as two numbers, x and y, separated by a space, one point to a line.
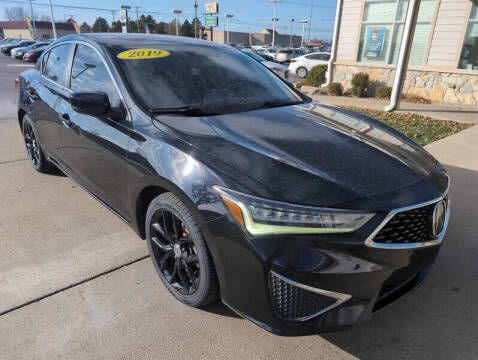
451 88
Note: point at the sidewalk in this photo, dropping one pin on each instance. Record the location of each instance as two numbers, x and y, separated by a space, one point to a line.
441 111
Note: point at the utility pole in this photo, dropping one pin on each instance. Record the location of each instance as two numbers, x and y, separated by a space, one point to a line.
137 19
274 19
35 35
53 21
195 19
303 22
177 12
290 41
310 20
228 16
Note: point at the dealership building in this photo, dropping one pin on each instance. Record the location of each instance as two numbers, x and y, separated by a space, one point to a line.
263 37
443 64
44 30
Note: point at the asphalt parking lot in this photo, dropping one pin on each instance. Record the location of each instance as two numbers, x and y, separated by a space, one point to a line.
76 282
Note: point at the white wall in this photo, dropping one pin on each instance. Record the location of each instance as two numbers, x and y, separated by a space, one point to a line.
349 26
448 36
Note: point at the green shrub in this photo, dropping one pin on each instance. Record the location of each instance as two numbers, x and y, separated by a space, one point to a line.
383 92
360 84
336 88
316 75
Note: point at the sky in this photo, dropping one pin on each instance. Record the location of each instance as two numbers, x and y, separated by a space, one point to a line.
249 15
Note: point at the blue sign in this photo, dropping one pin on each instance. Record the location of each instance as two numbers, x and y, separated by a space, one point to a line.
375 38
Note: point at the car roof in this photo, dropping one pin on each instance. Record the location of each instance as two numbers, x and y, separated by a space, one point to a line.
115 39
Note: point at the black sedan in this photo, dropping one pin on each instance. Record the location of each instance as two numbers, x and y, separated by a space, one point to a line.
301 217
7 48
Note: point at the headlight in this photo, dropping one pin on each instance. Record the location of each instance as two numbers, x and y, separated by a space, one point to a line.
267 217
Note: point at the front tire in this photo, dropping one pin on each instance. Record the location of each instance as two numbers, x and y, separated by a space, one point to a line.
301 72
179 253
35 154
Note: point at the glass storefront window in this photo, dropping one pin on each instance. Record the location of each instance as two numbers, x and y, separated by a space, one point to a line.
382 30
469 53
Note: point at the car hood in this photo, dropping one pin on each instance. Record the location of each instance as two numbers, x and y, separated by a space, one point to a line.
310 154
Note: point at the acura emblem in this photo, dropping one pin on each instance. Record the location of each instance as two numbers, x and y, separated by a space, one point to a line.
438 218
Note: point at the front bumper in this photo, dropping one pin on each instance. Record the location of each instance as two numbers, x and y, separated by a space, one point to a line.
298 285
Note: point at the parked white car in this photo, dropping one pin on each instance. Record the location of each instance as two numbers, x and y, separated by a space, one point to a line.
301 65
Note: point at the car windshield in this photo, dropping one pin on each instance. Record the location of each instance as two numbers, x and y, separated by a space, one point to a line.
200 80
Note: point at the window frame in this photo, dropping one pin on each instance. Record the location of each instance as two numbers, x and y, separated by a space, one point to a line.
463 38
394 24
69 68
47 52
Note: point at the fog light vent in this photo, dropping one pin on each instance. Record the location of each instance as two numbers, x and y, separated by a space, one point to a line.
293 302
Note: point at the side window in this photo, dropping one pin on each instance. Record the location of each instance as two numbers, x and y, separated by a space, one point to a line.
314 57
89 73
55 66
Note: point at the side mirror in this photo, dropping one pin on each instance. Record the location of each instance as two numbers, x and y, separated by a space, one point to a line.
90 103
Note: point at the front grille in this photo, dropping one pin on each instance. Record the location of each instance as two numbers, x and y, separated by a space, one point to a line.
294 303
411 226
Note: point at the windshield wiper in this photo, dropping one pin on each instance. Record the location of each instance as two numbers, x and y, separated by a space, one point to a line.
184 110
273 104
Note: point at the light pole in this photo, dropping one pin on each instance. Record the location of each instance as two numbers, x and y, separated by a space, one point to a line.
303 22
274 19
228 16
177 12
53 21
290 41
195 19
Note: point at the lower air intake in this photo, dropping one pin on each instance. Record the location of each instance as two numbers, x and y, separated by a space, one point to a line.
295 303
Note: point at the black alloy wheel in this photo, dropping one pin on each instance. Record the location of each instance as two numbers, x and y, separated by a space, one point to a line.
34 152
179 252
175 252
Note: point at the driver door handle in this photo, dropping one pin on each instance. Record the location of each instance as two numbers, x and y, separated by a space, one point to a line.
66 120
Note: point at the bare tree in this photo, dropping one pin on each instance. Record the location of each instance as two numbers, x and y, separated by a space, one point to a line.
15 13
43 17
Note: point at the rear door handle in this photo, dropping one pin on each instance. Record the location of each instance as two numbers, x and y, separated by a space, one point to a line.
66 120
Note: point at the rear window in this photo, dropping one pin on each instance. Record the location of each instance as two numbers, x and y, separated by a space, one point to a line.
214 78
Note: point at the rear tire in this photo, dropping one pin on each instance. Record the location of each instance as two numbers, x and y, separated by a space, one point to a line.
35 154
301 72
179 253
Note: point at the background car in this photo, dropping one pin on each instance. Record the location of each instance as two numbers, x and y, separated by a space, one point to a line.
6 49
18 53
302 64
285 55
262 52
33 54
9 42
276 67
271 52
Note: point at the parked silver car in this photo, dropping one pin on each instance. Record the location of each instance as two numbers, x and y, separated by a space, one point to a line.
285 55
